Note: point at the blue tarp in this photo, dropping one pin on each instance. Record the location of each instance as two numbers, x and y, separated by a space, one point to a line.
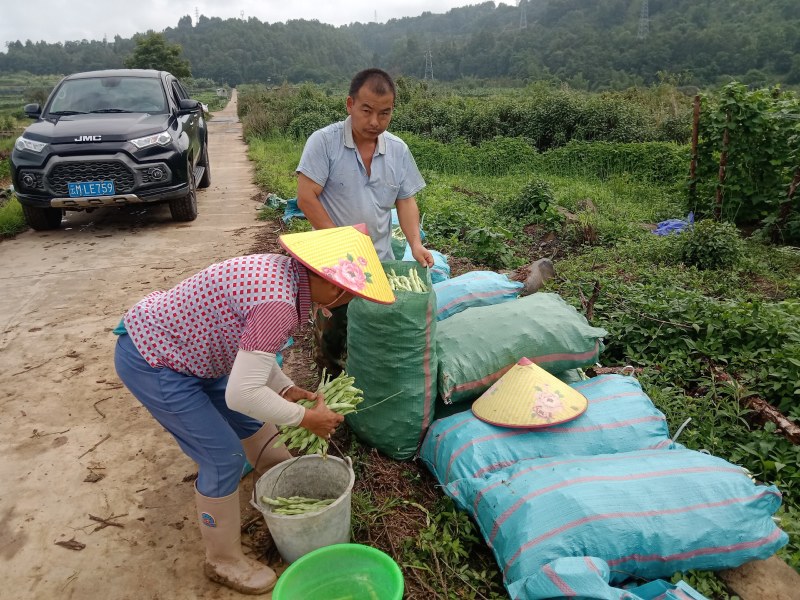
476 288
674 225
292 211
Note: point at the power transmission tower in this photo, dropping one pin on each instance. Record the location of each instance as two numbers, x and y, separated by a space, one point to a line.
523 17
644 21
428 65
196 15
242 14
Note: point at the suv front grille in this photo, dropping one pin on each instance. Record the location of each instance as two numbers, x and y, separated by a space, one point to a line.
73 172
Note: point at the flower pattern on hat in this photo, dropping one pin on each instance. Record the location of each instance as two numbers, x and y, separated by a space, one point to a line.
546 403
349 273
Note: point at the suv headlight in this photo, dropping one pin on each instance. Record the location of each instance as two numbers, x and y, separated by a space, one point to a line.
24 143
160 139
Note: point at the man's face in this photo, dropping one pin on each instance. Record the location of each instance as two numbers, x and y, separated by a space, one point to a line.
370 113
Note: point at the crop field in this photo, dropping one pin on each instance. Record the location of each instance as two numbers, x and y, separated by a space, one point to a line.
709 317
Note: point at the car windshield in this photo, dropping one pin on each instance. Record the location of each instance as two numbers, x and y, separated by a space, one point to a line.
109 95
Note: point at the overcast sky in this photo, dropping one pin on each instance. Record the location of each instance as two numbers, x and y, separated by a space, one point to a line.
69 20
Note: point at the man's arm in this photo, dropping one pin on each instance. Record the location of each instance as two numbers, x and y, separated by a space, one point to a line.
408 216
308 192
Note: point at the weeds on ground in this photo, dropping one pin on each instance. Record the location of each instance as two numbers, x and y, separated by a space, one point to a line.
397 508
276 160
11 220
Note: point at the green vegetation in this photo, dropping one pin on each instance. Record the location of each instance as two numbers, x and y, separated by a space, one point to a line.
589 45
748 163
710 316
16 91
711 245
205 91
444 553
11 219
152 51
276 160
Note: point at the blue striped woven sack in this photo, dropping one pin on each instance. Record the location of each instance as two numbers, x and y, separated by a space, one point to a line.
440 271
647 514
476 288
620 418
587 578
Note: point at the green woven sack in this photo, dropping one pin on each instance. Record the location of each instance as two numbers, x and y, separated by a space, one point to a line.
399 248
477 346
391 351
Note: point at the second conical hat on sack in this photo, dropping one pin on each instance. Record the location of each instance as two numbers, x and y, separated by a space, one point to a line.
529 396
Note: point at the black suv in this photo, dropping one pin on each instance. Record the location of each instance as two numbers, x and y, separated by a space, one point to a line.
111 138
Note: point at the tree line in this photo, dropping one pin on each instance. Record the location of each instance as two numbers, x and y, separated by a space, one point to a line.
590 44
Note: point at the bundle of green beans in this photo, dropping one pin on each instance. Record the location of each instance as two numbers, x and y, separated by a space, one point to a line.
409 283
340 396
295 505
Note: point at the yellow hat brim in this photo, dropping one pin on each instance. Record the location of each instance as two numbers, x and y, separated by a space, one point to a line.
345 257
527 396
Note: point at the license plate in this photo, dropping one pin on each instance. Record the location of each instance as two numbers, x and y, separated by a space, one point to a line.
82 189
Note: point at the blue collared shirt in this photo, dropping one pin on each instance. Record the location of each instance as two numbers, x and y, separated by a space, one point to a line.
350 196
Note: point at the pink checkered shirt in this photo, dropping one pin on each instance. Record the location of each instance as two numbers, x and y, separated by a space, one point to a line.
251 302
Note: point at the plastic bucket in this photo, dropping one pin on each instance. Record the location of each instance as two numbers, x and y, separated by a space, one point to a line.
313 477
341 572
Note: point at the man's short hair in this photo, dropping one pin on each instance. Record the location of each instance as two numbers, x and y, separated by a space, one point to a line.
378 80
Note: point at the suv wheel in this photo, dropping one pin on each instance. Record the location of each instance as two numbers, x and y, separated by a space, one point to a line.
42 219
205 180
185 209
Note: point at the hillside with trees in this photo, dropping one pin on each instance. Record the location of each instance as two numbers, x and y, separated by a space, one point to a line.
591 44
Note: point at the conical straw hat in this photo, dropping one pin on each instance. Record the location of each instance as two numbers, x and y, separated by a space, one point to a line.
344 256
528 396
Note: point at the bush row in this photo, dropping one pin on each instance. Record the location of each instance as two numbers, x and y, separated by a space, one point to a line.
658 162
546 117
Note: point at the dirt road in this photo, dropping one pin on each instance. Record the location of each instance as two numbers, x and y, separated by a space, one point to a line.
66 417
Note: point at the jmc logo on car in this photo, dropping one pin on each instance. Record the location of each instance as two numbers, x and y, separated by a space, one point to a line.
89 138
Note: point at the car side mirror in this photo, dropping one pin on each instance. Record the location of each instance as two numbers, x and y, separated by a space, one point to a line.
32 111
186 106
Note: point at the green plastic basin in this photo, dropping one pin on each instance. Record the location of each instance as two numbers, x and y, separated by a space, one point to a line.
341 572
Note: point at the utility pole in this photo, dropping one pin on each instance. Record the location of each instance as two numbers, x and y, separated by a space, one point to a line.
428 65
644 21
523 17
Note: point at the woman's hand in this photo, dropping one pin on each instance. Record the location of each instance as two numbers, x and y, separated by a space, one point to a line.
295 393
321 420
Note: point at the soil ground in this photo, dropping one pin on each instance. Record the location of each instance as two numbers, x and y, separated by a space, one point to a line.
96 500
68 420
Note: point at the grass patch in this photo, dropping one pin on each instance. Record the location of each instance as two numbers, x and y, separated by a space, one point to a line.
11 220
276 160
585 211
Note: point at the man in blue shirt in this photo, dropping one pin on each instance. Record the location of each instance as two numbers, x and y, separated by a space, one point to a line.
354 171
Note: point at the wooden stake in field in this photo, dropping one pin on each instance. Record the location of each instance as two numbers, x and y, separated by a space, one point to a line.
723 164
788 205
693 164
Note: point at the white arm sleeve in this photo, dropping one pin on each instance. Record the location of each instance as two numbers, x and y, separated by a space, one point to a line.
250 389
278 380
